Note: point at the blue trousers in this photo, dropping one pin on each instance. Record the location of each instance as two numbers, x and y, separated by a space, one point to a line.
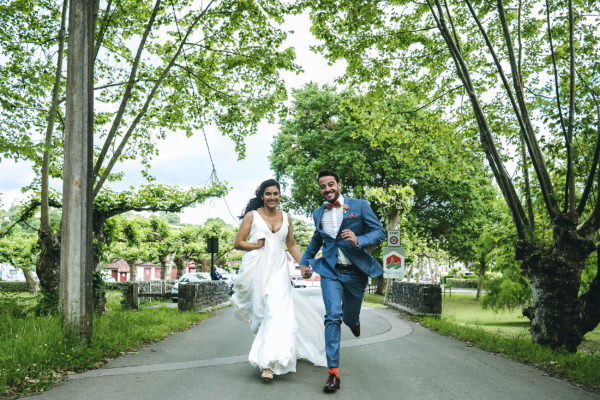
343 298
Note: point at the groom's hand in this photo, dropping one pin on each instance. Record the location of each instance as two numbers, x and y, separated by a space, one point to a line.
305 271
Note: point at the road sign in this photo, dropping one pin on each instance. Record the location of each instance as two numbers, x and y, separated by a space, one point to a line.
394 239
393 262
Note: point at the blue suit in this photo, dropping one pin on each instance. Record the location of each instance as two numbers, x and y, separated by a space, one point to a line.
343 291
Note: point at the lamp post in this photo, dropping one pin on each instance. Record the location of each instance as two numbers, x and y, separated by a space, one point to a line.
212 246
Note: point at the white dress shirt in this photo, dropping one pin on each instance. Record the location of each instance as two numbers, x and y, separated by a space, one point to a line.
331 222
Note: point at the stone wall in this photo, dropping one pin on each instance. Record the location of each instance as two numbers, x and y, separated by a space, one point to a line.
198 296
417 298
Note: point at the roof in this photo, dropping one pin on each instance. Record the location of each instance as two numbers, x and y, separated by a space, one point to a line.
119 264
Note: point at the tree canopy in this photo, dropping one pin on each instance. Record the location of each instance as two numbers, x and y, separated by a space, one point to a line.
346 132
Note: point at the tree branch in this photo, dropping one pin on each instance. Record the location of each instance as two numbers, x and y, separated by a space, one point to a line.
44 217
126 95
103 29
487 142
570 184
536 155
590 179
144 109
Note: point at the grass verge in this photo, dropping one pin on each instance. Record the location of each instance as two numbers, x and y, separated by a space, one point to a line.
34 354
580 367
507 333
374 301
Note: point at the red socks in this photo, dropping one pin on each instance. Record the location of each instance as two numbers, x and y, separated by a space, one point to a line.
334 371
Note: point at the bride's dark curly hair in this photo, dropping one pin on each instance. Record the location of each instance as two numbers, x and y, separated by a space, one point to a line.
257 201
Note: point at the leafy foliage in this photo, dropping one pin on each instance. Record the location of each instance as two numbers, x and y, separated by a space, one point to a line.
370 151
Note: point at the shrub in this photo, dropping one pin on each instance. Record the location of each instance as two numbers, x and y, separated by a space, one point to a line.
13 287
461 283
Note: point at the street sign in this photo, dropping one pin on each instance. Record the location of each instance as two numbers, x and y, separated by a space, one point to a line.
394 239
393 262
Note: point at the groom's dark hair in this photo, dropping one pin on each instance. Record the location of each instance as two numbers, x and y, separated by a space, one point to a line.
328 172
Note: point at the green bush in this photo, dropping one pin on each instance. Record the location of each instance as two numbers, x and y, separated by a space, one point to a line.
13 287
461 283
114 285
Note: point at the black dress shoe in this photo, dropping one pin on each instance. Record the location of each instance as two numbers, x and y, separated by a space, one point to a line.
332 384
356 330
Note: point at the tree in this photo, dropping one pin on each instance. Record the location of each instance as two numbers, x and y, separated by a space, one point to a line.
328 129
216 227
550 102
188 248
20 251
303 232
163 243
158 68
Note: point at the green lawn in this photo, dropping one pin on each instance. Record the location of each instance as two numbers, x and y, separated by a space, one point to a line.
461 308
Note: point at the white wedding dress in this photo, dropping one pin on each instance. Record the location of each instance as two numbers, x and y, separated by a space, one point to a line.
285 325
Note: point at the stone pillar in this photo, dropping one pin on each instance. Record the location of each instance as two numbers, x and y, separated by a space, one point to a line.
76 262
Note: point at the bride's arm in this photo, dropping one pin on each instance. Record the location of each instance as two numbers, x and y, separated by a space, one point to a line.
290 242
240 239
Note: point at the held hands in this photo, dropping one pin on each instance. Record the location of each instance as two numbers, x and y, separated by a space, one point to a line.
305 271
347 234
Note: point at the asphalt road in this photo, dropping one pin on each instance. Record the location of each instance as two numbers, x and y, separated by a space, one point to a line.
393 359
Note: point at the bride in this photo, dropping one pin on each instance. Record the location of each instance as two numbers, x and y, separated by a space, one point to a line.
286 327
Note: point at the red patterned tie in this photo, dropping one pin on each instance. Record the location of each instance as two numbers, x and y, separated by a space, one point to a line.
329 206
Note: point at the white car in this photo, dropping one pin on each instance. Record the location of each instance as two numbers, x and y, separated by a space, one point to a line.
298 281
185 278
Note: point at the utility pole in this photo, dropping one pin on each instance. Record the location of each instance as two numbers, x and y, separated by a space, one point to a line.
76 262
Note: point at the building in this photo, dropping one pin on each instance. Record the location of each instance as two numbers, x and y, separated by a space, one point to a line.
146 271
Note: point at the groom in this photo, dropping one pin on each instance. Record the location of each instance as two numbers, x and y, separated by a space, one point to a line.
345 227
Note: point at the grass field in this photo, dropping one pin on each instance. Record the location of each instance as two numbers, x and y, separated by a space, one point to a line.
462 309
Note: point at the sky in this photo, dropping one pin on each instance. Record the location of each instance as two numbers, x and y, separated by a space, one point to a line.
185 161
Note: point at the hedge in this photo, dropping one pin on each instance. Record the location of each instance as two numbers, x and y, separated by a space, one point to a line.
13 287
461 283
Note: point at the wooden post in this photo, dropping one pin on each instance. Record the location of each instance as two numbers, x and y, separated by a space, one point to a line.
76 261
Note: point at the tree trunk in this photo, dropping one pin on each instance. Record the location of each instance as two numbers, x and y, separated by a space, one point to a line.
31 283
132 270
181 263
166 264
558 316
481 273
48 263
381 286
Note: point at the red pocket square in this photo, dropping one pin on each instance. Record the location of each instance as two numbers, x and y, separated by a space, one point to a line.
352 215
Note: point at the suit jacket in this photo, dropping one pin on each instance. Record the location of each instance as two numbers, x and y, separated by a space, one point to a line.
361 220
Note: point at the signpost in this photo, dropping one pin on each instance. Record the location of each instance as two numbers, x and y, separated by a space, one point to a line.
393 260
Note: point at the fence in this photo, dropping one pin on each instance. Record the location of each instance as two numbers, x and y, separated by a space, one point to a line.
138 293
371 289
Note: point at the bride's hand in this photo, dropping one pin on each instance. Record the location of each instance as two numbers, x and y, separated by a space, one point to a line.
260 243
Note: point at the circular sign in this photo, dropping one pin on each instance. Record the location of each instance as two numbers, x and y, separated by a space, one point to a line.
394 240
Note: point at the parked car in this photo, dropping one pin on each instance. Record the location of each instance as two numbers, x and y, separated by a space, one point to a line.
298 281
186 278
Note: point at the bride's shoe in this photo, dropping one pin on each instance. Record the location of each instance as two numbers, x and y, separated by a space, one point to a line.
267 375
